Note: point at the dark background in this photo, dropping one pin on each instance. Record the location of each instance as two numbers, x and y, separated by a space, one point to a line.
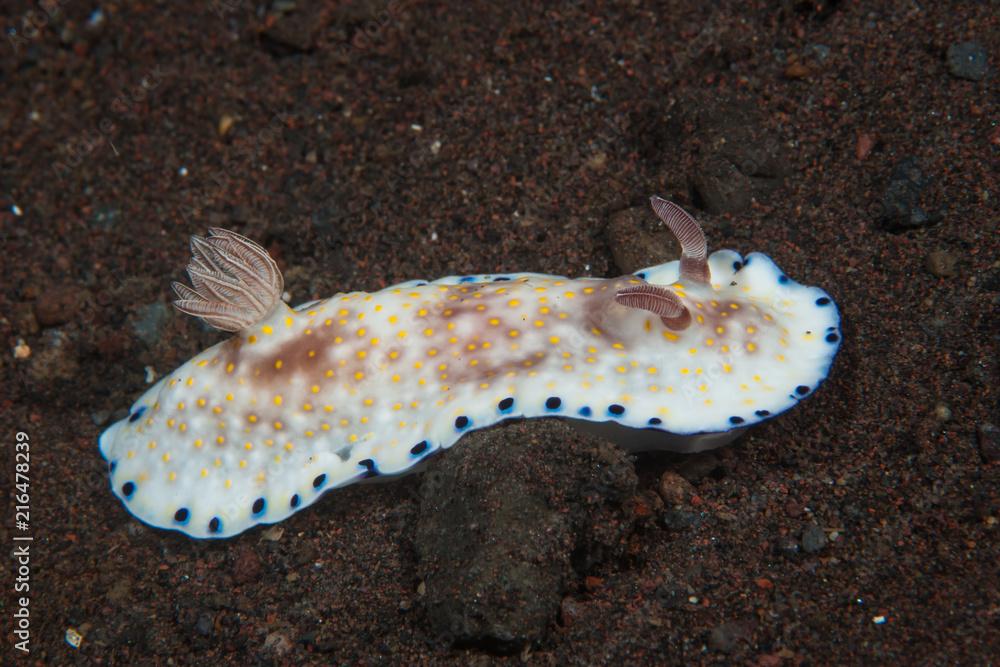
366 143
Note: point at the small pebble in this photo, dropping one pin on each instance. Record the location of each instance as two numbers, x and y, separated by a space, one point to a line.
989 442
797 71
56 359
967 60
277 643
698 466
942 264
226 124
793 508
727 636
674 489
73 638
813 539
247 567
472 594
58 305
901 203
866 142
644 505
204 625
273 533
22 350
149 322
597 161
722 187
821 51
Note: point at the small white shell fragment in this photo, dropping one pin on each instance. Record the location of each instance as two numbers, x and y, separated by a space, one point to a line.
22 350
73 637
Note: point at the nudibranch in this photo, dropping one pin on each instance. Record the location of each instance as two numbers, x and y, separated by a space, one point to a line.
684 356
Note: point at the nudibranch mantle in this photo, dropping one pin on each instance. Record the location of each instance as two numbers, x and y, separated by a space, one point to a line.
302 400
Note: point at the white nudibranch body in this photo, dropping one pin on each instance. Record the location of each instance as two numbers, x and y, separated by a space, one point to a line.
302 400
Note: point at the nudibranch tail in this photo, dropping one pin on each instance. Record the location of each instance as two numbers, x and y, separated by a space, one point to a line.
235 282
694 247
658 300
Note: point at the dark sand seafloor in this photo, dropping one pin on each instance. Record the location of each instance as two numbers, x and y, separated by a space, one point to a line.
366 143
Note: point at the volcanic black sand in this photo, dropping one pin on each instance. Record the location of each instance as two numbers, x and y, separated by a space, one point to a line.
366 143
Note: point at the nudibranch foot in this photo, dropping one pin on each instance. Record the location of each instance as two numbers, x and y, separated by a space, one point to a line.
682 356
